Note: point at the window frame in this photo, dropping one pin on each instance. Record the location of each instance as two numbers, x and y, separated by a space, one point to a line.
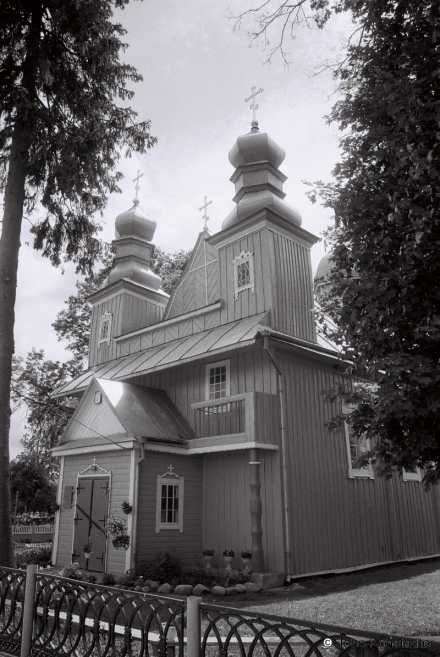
107 317
168 479
412 476
209 367
242 258
354 473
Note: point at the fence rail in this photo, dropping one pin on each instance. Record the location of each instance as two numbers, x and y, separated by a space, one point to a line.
68 618
33 529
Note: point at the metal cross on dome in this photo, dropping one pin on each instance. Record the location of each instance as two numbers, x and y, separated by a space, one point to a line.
205 216
137 187
253 106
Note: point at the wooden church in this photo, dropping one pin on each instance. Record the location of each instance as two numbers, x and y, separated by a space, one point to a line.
203 412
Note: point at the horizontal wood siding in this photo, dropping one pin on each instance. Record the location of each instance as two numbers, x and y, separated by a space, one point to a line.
226 510
292 288
338 522
250 371
248 302
187 544
119 465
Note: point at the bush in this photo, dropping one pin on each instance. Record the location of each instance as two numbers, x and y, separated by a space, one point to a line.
74 572
108 579
40 557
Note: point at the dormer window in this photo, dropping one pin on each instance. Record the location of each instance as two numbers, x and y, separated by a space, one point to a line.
244 272
105 327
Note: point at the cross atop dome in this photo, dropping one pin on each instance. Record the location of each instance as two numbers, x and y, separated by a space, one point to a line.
253 106
137 186
205 216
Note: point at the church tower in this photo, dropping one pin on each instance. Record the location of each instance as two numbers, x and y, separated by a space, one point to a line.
132 297
264 254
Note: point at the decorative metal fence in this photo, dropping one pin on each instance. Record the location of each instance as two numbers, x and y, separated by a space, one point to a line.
227 632
44 615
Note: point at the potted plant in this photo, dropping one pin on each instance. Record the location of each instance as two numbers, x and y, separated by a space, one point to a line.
207 556
228 555
117 528
87 549
126 507
246 557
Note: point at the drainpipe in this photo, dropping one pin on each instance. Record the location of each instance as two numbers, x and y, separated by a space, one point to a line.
283 455
141 441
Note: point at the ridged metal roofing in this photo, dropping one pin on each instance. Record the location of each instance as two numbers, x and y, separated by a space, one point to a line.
216 340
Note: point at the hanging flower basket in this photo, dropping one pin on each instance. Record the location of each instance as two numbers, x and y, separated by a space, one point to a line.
117 527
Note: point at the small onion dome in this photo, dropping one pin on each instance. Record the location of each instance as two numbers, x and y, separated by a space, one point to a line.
325 266
135 222
136 272
256 147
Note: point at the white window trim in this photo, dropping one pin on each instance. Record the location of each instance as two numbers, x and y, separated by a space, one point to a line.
412 476
219 363
167 479
104 318
354 473
245 256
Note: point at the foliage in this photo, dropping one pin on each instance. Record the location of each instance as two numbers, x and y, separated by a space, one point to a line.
169 266
166 568
208 553
246 554
228 553
87 547
117 527
39 557
108 579
75 572
36 492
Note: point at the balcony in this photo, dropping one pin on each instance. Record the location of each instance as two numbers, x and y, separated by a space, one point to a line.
251 417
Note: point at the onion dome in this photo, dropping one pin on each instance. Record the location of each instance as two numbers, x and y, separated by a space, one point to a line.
135 222
258 180
136 272
325 266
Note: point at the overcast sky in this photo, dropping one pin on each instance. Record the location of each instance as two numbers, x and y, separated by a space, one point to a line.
197 72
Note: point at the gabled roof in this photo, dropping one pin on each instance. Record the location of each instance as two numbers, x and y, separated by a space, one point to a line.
212 342
126 412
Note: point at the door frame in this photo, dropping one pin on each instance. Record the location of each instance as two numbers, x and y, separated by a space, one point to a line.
94 471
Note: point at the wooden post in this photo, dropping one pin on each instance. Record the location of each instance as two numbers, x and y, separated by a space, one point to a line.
193 640
256 513
28 610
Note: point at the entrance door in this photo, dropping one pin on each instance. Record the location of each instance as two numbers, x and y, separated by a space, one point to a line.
90 519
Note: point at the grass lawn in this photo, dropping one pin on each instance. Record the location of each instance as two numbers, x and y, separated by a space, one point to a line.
398 599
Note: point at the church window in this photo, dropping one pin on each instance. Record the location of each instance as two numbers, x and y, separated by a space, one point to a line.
217 380
356 446
412 476
169 501
243 273
105 326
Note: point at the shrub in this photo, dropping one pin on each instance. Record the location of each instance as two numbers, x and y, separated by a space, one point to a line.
74 572
108 579
40 557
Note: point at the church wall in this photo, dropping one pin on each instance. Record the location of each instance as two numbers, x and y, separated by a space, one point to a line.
226 507
292 288
339 522
106 351
186 544
137 313
119 465
248 302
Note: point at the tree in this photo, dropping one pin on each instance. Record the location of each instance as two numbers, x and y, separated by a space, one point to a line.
35 378
61 132
385 295
36 491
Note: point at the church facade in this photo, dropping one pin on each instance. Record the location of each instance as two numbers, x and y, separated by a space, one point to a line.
202 413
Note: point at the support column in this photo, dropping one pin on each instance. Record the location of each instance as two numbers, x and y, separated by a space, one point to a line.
256 513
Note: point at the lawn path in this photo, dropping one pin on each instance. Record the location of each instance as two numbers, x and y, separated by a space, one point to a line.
409 607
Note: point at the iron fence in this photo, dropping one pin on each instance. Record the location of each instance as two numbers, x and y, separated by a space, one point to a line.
227 632
12 584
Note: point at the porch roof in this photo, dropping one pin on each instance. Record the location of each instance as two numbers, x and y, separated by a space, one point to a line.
212 342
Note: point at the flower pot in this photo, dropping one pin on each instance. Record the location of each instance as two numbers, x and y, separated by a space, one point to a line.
228 561
87 555
208 558
247 561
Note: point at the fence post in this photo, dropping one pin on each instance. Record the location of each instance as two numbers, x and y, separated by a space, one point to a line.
193 639
28 610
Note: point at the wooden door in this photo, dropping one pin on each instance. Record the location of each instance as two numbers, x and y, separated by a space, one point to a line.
90 521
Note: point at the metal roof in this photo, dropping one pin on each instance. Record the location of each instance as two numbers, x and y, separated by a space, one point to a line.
240 333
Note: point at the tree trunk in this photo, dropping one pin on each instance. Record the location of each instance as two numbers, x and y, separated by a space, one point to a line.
9 248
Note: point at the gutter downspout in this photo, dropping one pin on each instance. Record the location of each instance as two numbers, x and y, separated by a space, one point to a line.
141 441
283 457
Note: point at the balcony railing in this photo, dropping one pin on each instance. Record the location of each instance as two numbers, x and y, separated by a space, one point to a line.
248 417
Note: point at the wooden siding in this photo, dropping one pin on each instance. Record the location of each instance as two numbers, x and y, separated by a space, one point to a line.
106 351
136 313
119 465
338 522
199 285
249 372
292 288
249 302
186 544
226 508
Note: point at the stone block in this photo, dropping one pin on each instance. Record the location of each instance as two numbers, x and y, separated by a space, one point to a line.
164 588
218 590
231 590
183 589
268 580
145 589
199 589
153 585
241 588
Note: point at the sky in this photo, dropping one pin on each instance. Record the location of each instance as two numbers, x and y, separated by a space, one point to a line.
197 72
